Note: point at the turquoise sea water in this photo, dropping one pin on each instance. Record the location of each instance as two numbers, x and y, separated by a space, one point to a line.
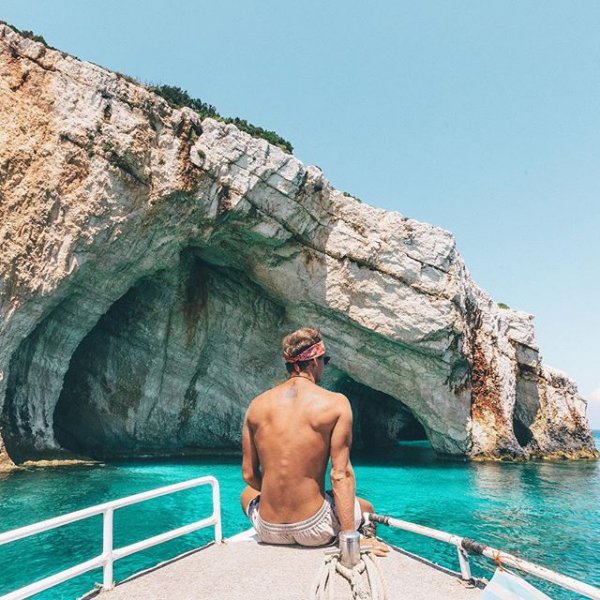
546 512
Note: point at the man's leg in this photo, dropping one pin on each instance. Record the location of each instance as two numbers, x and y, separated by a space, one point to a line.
365 505
247 496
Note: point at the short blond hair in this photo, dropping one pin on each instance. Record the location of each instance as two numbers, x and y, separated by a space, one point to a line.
297 342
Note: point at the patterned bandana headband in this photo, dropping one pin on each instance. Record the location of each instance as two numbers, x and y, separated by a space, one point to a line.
314 351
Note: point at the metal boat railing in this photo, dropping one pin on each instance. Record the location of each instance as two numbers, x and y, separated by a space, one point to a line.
109 553
466 546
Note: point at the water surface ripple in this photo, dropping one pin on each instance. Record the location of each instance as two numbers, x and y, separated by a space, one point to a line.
547 512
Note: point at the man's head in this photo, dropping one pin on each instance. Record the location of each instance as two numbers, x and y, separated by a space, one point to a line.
304 352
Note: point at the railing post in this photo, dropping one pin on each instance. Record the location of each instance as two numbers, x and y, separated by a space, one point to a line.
107 549
216 498
465 568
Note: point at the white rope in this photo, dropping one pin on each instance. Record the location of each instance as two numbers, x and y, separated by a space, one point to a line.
365 579
332 569
376 580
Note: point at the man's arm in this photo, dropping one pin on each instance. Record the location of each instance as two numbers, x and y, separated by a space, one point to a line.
342 475
250 461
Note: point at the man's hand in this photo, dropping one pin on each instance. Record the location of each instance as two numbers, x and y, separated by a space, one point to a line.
374 545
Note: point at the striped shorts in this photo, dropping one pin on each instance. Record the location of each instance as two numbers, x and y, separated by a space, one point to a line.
320 529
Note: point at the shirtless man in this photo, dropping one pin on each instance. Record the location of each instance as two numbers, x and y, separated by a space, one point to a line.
289 434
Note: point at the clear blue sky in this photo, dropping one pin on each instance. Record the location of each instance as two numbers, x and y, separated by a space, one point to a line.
480 117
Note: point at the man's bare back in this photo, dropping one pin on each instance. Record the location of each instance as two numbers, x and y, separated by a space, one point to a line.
291 427
290 432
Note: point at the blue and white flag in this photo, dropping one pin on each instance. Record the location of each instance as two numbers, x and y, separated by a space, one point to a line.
508 586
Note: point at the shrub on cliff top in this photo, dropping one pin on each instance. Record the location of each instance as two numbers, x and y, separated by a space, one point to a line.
28 34
32 36
177 98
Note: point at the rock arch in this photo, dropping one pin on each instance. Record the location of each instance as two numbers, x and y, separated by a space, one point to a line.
97 204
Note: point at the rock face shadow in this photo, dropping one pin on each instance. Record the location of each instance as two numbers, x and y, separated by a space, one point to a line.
172 365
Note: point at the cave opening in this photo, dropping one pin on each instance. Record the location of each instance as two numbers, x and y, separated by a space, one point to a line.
527 405
172 365
169 368
380 421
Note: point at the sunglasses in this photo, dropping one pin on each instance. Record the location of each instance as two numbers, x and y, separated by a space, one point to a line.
326 359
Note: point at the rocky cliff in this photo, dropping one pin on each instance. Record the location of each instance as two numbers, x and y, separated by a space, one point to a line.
151 262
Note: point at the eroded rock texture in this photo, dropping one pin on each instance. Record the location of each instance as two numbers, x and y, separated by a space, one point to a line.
152 261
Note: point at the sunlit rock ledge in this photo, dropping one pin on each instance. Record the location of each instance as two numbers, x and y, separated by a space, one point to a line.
151 262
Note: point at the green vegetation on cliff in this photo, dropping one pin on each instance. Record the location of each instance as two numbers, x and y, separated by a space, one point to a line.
177 98
28 34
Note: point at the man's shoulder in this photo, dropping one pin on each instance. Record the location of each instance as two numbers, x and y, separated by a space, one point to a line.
256 402
341 402
332 402
266 398
266 395
262 399
334 397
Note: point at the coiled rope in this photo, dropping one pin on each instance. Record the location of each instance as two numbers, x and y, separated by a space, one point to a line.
371 587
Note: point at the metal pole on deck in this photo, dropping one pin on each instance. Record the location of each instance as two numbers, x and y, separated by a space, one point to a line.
349 548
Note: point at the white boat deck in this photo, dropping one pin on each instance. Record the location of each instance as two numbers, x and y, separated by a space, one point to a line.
241 568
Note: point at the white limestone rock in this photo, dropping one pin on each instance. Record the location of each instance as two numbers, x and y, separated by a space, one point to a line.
151 262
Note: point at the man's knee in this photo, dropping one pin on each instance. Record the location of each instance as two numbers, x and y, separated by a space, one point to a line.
365 505
247 496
